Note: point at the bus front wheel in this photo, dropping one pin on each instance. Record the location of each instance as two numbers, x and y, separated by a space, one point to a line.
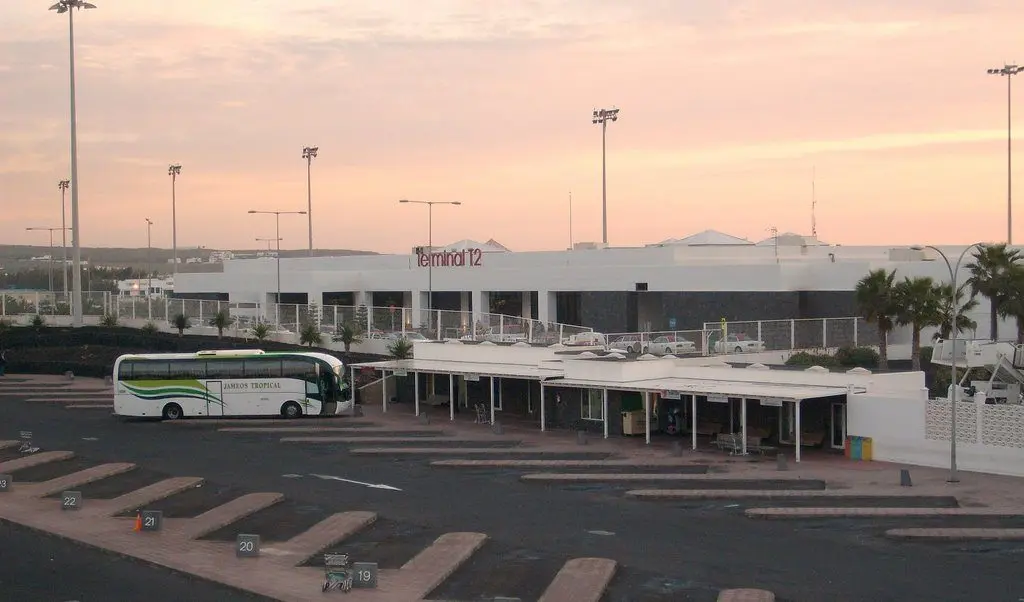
291 410
172 411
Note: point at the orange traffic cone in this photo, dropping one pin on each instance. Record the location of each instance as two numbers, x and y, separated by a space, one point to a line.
138 522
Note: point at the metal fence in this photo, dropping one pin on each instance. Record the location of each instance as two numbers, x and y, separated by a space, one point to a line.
747 336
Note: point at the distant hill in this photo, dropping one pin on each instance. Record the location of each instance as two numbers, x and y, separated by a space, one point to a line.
17 257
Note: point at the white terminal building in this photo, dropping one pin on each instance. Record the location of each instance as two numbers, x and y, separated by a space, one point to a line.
677 284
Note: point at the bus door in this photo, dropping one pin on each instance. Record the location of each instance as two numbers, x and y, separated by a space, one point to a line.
324 390
214 398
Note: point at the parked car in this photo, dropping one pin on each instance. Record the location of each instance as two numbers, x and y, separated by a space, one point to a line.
630 343
586 339
409 336
739 343
672 344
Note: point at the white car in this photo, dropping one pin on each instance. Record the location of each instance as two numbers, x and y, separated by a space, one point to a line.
586 339
409 336
630 343
672 344
738 343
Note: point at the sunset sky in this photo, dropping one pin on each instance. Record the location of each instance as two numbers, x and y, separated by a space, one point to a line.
726 110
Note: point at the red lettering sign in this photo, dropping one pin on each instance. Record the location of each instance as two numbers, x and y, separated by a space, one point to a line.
444 259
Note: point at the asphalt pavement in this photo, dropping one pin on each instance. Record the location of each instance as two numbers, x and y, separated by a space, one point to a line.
35 567
688 552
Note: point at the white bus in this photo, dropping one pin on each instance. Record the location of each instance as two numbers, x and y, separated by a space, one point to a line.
236 382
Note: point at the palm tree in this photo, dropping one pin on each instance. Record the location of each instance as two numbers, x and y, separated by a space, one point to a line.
874 294
310 335
348 335
181 322
400 349
918 305
1012 305
963 305
261 330
221 321
990 275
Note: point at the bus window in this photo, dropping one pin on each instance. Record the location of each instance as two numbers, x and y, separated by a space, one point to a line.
299 369
124 370
224 369
151 371
263 368
187 370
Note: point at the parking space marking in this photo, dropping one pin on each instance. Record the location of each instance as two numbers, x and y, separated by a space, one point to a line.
745 595
34 460
581 580
147 495
431 567
323 535
322 429
223 515
710 494
77 479
377 439
422 451
653 463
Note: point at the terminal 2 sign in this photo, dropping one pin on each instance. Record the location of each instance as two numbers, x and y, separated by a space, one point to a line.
448 259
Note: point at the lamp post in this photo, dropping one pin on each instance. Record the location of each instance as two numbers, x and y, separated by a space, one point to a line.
149 256
602 117
1008 71
174 171
50 256
430 250
954 313
65 6
64 185
277 217
309 153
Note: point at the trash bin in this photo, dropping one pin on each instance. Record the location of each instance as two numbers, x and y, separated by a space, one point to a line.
633 423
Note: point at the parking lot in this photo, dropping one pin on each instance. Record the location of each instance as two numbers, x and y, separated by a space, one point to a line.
548 504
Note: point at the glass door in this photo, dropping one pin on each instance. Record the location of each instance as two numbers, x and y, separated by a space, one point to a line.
838 425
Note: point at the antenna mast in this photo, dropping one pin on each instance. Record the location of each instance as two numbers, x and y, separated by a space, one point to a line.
570 220
814 204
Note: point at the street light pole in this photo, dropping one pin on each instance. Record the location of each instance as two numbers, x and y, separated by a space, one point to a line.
954 386
277 218
63 185
149 256
430 251
603 116
174 171
65 6
1008 71
309 153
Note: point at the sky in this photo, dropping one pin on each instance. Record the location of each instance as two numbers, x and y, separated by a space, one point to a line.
732 111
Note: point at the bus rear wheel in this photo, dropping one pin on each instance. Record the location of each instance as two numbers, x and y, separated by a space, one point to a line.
291 410
172 411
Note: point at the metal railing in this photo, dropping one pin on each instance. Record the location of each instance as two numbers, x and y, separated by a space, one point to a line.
751 336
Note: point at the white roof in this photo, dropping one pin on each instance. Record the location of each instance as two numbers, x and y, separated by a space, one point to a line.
524 371
491 246
789 239
705 238
695 386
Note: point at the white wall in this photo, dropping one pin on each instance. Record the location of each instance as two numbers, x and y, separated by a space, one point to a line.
902 432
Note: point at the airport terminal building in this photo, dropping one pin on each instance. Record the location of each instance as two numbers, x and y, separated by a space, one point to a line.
677 284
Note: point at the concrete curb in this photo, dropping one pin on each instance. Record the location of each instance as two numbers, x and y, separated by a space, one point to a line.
34 460
710 494
376 440
581 580
639 476
953 534
786 513
422 451
745 595
654 463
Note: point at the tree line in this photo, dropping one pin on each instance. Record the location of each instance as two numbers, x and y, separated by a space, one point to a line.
996 273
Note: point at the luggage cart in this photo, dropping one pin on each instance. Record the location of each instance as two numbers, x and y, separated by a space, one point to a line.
337 572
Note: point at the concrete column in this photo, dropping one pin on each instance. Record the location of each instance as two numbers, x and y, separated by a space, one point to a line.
416 390
543 422
743 419
527 305
416 299
693 421
481 305
547 309
384 391
467 316
647 416
798 429
451 396
604 406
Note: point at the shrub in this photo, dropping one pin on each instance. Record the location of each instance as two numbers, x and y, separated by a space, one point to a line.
858 357
150 328
310 335
261 330
400 349
182 323
807 360
108 320
38 321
